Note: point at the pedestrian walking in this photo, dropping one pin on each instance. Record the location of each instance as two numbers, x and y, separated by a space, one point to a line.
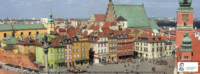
132 71
125 66
128 65
126 69
91 63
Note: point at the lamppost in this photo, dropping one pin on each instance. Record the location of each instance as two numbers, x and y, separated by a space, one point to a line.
46 46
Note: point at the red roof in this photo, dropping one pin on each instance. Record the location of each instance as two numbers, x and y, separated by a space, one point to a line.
55 42
113 23
84 27
100 17
27 41
172 37
107 24
127 30
96 27
54 33
62 30
136 31
172 33
198 30
150 39
85 33
91 27
71 19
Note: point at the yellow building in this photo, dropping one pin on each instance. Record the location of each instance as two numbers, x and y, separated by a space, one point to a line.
80 50
9 44
26 46
19 30
51 24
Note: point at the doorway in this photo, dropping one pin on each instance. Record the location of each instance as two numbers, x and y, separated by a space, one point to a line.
51 65
81 62
135 54
112 58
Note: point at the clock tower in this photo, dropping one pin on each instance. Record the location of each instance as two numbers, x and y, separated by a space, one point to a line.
184 20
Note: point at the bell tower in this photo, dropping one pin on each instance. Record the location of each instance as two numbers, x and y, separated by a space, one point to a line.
184 20
51 24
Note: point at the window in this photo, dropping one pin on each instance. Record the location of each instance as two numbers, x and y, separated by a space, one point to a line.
157 49
98 44
73 44
121 45
29 33
29 51
81 55
77 50
124 40
110 50
74 56
121 50
4 35
152 49
98 51
84 44
37 33
57 50
85 55
104 50
85 49
58 57
73 50
51 57
21 33
70 57
81 49
77 56
62 56
69 46
124 44
125 50
101 44
69 52
104 44
166 52
51 50
101 50
118 50
61 49
169 47
128 49
81 44
137 48
77 44
152 44
165 47
101 39
66 57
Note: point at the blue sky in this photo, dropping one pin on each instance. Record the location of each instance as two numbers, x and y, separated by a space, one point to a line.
84 8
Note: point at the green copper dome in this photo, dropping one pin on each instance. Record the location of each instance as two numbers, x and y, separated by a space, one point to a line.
187 39
50 20
185 3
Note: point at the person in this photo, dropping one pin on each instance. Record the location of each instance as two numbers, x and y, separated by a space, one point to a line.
128 65
132 71
133 66
125 66
91 63
181 66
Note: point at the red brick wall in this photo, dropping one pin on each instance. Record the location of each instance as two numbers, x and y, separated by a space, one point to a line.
183 54
15 59
180 20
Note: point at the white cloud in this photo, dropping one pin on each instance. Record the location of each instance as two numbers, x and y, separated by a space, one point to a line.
126 2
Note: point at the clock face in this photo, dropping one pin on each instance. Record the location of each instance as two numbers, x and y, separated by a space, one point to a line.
185 17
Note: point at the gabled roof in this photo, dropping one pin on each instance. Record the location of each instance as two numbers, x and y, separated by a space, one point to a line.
136 31
107 24
27 41
56 41
96 27
54 33
100 17
85 33
120 18
134 14
91 27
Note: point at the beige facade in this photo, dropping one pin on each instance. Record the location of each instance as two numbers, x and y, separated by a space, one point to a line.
112 54
155 49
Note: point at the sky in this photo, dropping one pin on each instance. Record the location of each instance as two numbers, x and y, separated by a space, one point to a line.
84 8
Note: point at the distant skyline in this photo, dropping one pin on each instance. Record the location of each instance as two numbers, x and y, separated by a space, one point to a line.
85 8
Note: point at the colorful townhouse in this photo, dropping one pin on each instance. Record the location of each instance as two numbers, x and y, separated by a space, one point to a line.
55 53
10 44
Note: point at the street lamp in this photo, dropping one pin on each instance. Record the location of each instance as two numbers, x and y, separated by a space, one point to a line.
46 46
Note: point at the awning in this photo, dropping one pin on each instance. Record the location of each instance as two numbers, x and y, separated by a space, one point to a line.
125 55
81 59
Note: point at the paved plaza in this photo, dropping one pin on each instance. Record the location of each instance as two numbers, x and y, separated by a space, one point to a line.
144 68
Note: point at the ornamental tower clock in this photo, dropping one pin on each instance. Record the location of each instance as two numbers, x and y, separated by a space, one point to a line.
184 20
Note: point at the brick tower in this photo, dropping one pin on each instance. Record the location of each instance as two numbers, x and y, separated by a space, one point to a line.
184 20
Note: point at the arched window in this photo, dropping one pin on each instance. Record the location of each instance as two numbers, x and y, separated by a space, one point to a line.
187 57
29 33
37 33
21 33
5 35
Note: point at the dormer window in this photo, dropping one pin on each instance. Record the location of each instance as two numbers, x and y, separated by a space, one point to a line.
75 39
126 35
121 36
60 42
69 41
111 35
65 41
